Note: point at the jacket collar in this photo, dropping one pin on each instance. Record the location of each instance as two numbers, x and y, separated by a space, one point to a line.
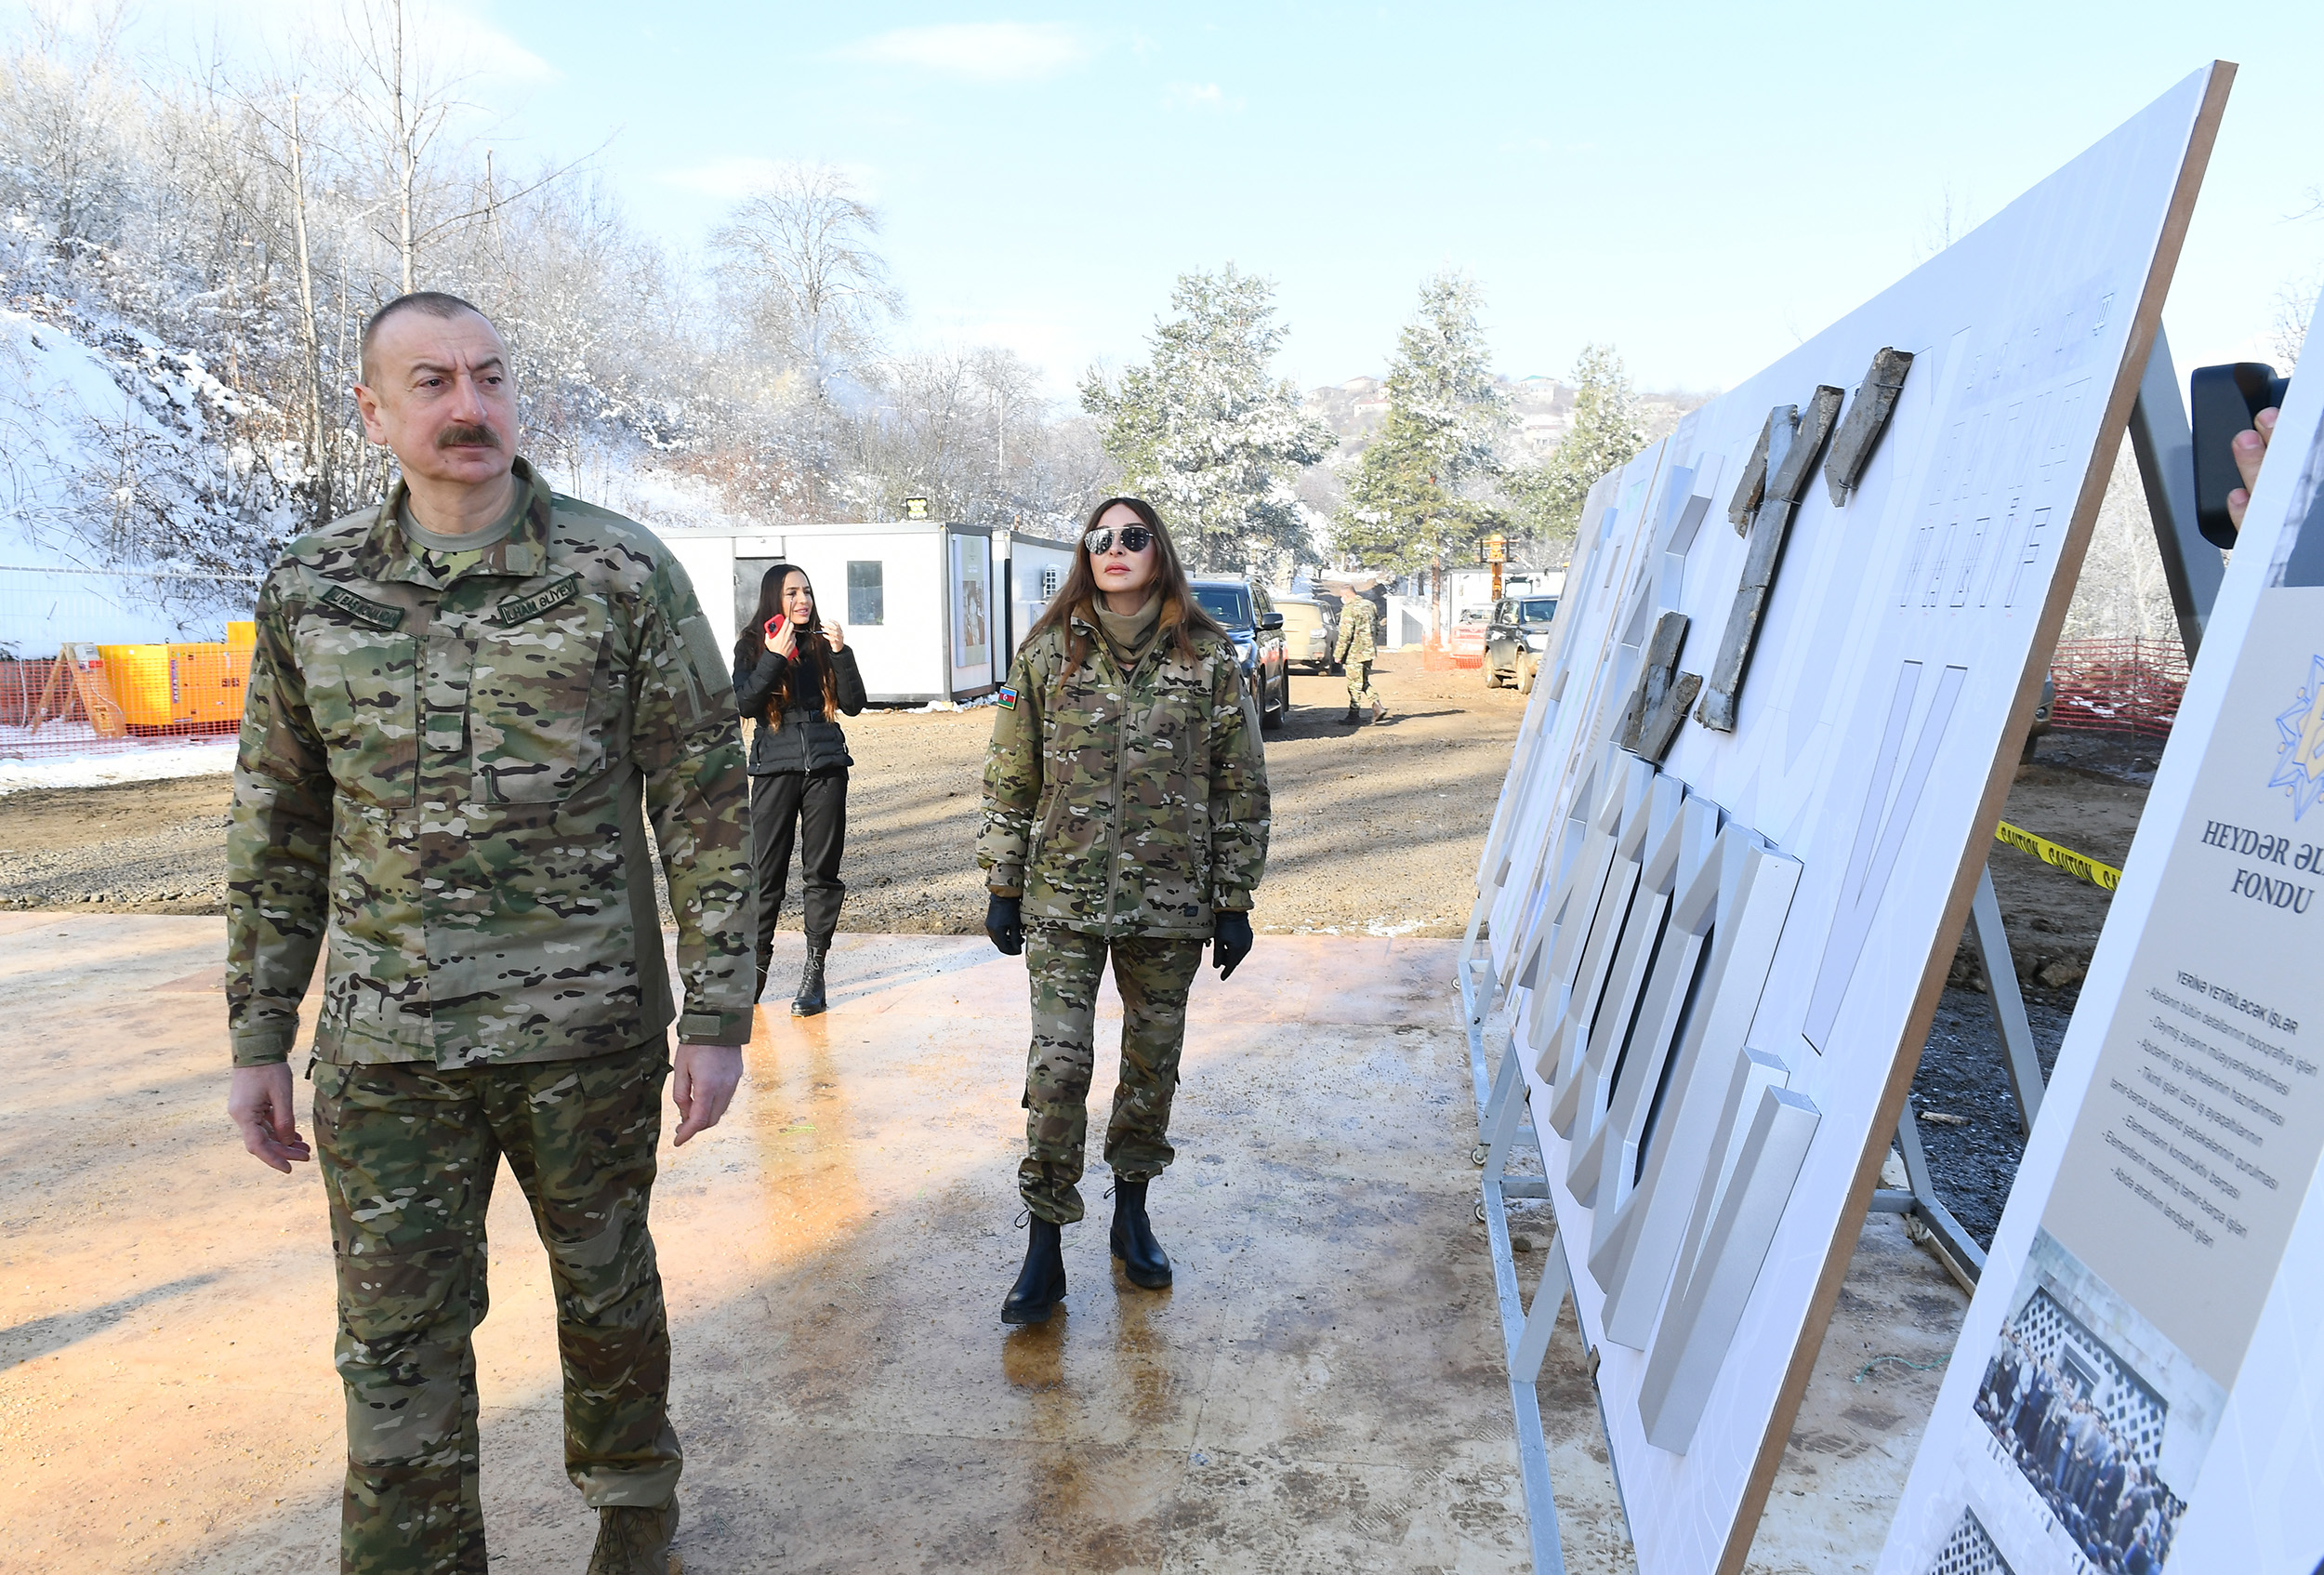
387 554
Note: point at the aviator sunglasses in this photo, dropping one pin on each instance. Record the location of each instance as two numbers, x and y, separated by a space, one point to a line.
1135 538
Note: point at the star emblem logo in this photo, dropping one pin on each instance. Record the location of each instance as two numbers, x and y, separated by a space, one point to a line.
2300 758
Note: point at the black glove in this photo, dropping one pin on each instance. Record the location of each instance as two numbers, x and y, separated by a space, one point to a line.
1005 922
1230 941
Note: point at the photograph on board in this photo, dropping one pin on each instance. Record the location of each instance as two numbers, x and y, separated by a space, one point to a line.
2094 1425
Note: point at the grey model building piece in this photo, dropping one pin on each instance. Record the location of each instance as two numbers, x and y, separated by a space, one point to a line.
1691 1346
1753 481
1867 417
1771 527
1655 677
1755 1071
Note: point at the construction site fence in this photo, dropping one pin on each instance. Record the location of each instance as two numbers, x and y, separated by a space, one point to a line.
2131 687
98 662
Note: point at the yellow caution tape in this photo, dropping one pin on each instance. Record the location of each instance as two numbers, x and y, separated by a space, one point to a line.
2104 875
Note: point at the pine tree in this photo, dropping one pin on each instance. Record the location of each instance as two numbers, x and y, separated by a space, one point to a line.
1204 432
1605 433
1413 502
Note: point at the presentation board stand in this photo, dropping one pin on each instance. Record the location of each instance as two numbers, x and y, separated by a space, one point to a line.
2139 1382
1746 820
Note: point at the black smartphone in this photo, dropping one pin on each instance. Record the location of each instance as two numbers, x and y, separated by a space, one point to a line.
2223 402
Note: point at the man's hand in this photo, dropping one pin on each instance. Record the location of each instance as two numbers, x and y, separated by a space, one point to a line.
1229 940
835 637
2250 448
260 1102
703 1086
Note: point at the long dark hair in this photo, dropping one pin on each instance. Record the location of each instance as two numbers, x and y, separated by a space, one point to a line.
811 653
1181 615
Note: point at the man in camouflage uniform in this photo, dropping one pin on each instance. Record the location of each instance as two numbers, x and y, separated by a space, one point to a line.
1354 650
462 705
1126 815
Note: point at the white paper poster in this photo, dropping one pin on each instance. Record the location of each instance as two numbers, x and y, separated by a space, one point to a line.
972 607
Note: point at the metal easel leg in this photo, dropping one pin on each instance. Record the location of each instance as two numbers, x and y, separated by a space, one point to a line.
1962 1254
1532 1345
2165 450
2020 1058
1533 1454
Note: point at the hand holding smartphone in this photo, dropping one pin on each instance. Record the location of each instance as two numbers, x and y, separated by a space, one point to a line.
781 639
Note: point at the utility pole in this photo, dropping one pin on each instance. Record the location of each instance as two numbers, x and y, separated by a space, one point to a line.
318 448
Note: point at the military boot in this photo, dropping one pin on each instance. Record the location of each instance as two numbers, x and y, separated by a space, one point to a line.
1350 719
1143 1258
1041 1283
635 1541
809 1001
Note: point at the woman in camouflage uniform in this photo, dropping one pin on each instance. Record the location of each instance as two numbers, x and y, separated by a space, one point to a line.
1125 815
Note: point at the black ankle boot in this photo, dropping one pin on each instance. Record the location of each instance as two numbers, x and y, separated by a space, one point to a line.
1350 719
1041 1283
809 1001
1143 1258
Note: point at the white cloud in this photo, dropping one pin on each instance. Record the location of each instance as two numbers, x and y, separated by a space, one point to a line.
979 51
1198 95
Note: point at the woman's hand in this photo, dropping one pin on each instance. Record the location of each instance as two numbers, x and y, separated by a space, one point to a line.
835 637
783 637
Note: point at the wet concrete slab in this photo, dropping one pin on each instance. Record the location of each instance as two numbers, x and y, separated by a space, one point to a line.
1323 1389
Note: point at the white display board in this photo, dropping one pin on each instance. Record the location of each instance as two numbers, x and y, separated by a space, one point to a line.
2139 1383
1818 611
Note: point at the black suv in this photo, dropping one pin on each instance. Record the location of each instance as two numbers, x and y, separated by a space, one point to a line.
1257 630
1516 640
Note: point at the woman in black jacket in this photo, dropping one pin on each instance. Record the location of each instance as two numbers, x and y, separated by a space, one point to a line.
793 676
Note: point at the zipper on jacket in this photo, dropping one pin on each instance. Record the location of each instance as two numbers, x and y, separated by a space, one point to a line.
1114 858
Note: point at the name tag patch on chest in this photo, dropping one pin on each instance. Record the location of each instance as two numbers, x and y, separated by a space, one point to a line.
516 609
362 609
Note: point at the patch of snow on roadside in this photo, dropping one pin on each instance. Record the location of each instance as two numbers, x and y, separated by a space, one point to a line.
128 762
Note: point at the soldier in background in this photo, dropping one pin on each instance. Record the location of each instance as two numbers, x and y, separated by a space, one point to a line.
462 705
1354 650
1125 815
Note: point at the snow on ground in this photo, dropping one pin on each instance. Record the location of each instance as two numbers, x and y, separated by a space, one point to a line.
99 761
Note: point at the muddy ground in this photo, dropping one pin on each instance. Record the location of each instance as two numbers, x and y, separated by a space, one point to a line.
1377 829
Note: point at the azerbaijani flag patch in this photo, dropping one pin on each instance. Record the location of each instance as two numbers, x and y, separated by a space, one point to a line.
1008 698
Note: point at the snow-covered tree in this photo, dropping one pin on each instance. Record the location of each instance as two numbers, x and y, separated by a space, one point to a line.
1207 435
1607 430
1416 500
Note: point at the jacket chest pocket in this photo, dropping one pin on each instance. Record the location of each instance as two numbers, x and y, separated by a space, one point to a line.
362 694
536 727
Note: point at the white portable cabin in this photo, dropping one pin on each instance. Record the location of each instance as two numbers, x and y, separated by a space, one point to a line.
931 608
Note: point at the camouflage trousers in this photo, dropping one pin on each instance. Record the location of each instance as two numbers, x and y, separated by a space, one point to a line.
1154 975
408 1158
1360 690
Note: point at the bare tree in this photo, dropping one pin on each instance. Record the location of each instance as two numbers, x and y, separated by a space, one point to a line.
800 249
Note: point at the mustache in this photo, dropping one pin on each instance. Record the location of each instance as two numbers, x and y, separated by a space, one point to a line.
468 437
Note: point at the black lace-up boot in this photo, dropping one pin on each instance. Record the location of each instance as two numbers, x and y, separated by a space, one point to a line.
809 1001
1041 1283
1143 1258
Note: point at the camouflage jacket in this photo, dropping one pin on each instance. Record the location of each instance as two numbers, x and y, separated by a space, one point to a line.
1355 644
450 779
1124 803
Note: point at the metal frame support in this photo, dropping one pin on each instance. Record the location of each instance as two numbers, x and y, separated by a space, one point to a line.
2165 449
1962 1253
1525 1337
2019 1057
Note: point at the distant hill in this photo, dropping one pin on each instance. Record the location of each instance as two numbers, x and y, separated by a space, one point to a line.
1544 407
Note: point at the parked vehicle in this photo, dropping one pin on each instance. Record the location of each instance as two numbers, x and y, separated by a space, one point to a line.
1257 630
1516 639
1468 632
1311 625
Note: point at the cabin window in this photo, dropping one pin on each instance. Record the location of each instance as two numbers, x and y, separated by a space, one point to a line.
866 593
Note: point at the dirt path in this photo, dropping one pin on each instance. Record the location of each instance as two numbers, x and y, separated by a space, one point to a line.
1377 829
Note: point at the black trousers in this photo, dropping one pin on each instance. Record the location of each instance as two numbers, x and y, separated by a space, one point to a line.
792 808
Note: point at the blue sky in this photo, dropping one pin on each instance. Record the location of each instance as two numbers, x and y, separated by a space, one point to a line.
1699 185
